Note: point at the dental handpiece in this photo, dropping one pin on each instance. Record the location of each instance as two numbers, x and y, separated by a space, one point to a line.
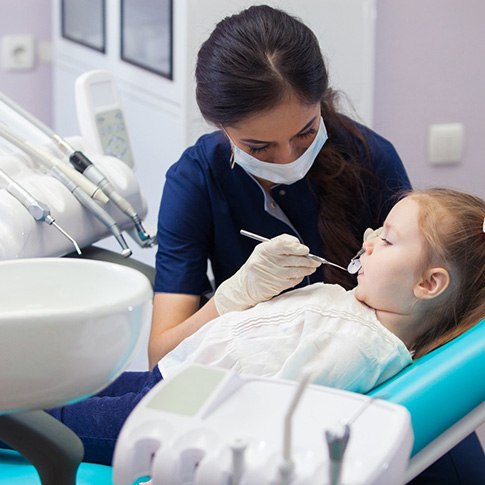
94 208
48 160
83 165
38 210
311 256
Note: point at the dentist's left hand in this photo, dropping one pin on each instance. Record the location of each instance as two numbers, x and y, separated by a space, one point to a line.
273 266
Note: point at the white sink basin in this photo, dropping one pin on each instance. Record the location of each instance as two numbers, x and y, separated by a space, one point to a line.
68 327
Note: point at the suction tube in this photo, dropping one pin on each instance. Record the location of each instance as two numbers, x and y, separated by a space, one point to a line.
83 165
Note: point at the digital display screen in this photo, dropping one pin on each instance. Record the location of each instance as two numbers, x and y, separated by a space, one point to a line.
187 392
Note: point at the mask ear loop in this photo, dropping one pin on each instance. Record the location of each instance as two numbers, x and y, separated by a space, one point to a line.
232 161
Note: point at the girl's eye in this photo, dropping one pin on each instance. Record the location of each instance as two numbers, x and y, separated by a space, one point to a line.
385 241
307 133
254 150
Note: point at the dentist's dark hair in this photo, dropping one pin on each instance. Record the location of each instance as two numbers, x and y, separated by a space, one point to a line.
248 65
252 60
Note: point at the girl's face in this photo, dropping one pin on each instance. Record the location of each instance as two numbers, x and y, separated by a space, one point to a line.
279 135
392 263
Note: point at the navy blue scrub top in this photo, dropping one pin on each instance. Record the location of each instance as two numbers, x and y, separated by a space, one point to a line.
205 203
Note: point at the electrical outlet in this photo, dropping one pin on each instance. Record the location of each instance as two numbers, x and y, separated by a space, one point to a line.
18 52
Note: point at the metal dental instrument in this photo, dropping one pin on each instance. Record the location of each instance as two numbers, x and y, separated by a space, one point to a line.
311 256
38 210
83 165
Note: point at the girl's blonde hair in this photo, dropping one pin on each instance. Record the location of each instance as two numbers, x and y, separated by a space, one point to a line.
452 224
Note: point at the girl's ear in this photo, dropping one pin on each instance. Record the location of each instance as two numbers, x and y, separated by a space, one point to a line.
434 282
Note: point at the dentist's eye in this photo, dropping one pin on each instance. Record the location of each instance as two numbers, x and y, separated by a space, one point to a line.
254 150
307 134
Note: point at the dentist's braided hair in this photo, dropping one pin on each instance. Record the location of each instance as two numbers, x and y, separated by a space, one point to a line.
452 224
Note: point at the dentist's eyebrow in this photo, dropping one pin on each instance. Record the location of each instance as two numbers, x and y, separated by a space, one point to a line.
262 142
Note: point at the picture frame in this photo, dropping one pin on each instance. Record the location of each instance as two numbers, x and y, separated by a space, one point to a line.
84 22
147 35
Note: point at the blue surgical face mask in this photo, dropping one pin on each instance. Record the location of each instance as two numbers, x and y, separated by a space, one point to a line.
282 173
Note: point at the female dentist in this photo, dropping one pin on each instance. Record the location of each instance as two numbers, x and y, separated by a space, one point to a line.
284 160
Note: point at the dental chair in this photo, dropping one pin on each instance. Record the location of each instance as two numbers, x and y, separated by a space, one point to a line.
443 391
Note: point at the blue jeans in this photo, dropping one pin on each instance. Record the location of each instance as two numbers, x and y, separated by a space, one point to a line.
98 421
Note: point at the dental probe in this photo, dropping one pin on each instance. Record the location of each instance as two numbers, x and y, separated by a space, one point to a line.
83 165
49 161
94 208
38 210
311 256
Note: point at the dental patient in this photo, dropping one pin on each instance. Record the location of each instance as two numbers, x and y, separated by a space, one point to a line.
421 284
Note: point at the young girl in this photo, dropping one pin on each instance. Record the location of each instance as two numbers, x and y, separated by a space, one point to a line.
421 283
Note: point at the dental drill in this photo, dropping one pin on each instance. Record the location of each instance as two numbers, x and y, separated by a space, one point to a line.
83 165
38 210
48 161
58 170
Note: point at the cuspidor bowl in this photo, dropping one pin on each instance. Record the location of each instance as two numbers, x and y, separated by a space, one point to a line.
68 327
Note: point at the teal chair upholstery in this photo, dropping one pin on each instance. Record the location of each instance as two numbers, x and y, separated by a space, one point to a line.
16 470
441 387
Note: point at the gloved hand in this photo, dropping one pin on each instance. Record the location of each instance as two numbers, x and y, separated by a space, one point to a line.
272 267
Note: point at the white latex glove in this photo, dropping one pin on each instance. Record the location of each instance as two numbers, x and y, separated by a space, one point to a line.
272 267
370 233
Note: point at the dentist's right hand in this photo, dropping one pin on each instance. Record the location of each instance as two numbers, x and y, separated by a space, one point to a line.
272 267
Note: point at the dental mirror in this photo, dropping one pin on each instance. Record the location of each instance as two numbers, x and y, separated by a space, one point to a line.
311 256
354 264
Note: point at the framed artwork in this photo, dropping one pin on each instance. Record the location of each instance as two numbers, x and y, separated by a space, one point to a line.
84 22
147 35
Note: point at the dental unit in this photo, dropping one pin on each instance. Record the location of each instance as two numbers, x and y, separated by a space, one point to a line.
243 430
84 166
78 185
38 210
